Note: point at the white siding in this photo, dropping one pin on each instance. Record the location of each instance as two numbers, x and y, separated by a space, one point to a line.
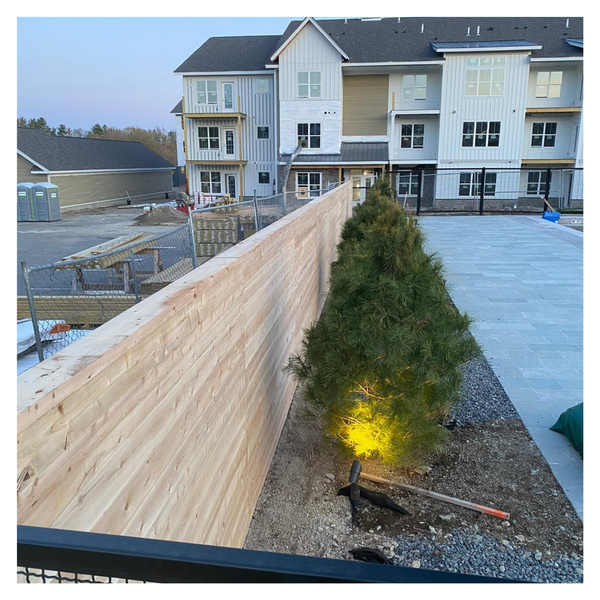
434 89
310 51
179 140
457 107
430 142
565 142
571 89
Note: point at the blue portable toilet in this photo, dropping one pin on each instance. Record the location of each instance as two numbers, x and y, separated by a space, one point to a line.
47 203
25 202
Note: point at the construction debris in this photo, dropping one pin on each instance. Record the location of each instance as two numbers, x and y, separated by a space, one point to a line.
161 215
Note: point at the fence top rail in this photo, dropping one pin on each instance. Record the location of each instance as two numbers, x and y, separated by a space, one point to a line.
146 559
403 169
62 264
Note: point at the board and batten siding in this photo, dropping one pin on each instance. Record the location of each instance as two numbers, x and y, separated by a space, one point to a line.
110 188
457 107
24 174
163 422
365 105
310 51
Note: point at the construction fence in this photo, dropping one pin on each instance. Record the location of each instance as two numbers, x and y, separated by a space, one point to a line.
67 299
488 190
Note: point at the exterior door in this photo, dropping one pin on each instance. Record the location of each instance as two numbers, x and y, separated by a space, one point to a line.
231 185
227 92
229 143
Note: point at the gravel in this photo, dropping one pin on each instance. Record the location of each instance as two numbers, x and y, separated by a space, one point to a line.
483 398
467 551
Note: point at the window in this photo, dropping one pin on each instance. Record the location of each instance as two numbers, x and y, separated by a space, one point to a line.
210 182
229 144
309 135
412 135
209 137
543 135
228 96
470 184
206 92
262 133
480 134
548 84
262 86
414 87
264 177
485 76
309 84
408 183
536 183
308 182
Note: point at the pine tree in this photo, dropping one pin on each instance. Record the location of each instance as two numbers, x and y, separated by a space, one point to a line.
383 358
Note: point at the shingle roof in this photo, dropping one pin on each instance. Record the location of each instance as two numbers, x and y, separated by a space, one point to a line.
242 53
58 153
350 152
387 40
178 108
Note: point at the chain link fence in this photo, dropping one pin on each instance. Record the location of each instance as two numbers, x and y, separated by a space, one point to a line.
67 299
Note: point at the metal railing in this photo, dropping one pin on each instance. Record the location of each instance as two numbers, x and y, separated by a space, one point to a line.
488 190
55 555
67 299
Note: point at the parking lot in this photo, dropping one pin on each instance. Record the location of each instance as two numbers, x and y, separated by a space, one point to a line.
41 243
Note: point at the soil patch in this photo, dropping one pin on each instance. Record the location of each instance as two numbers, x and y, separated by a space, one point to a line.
161 215
495 463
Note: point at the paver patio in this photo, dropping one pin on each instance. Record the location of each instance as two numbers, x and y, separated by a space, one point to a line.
521 279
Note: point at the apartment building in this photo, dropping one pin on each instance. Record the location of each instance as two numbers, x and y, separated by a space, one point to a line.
360 96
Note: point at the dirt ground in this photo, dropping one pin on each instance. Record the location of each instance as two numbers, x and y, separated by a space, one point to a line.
496 464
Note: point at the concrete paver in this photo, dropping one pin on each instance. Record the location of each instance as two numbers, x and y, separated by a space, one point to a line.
521 279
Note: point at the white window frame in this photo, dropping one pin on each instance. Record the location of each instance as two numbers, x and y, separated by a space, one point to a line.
268 133
226 108
310 188
209 137
309 135
259 89
474 184
485 77
411 136
225 132
210 185
268 177
545 87
414 88
481 129
539 181
545 135
204 83
313 87
413 182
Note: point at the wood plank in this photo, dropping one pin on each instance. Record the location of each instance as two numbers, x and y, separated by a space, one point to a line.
163 421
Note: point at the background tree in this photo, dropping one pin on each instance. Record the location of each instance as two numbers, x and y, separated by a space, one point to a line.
383 358
63 130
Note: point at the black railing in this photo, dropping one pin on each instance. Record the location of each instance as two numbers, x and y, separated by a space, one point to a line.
73 556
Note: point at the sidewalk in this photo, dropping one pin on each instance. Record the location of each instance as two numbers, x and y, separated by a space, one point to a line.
521 280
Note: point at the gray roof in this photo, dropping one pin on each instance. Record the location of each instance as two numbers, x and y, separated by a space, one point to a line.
350 152
386 40
178 108
58 153
437 46
240 53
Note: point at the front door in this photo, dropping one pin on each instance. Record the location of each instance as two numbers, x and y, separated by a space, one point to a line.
231 185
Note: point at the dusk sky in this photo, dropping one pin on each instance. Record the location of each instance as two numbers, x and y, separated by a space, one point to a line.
118 71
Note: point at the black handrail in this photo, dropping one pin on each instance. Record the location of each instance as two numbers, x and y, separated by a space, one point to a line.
143 559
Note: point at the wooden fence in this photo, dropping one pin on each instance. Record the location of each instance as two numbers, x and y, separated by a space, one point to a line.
163 422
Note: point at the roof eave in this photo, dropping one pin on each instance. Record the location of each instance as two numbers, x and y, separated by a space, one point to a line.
487 49
300 27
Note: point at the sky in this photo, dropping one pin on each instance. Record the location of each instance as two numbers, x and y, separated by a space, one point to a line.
114 71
